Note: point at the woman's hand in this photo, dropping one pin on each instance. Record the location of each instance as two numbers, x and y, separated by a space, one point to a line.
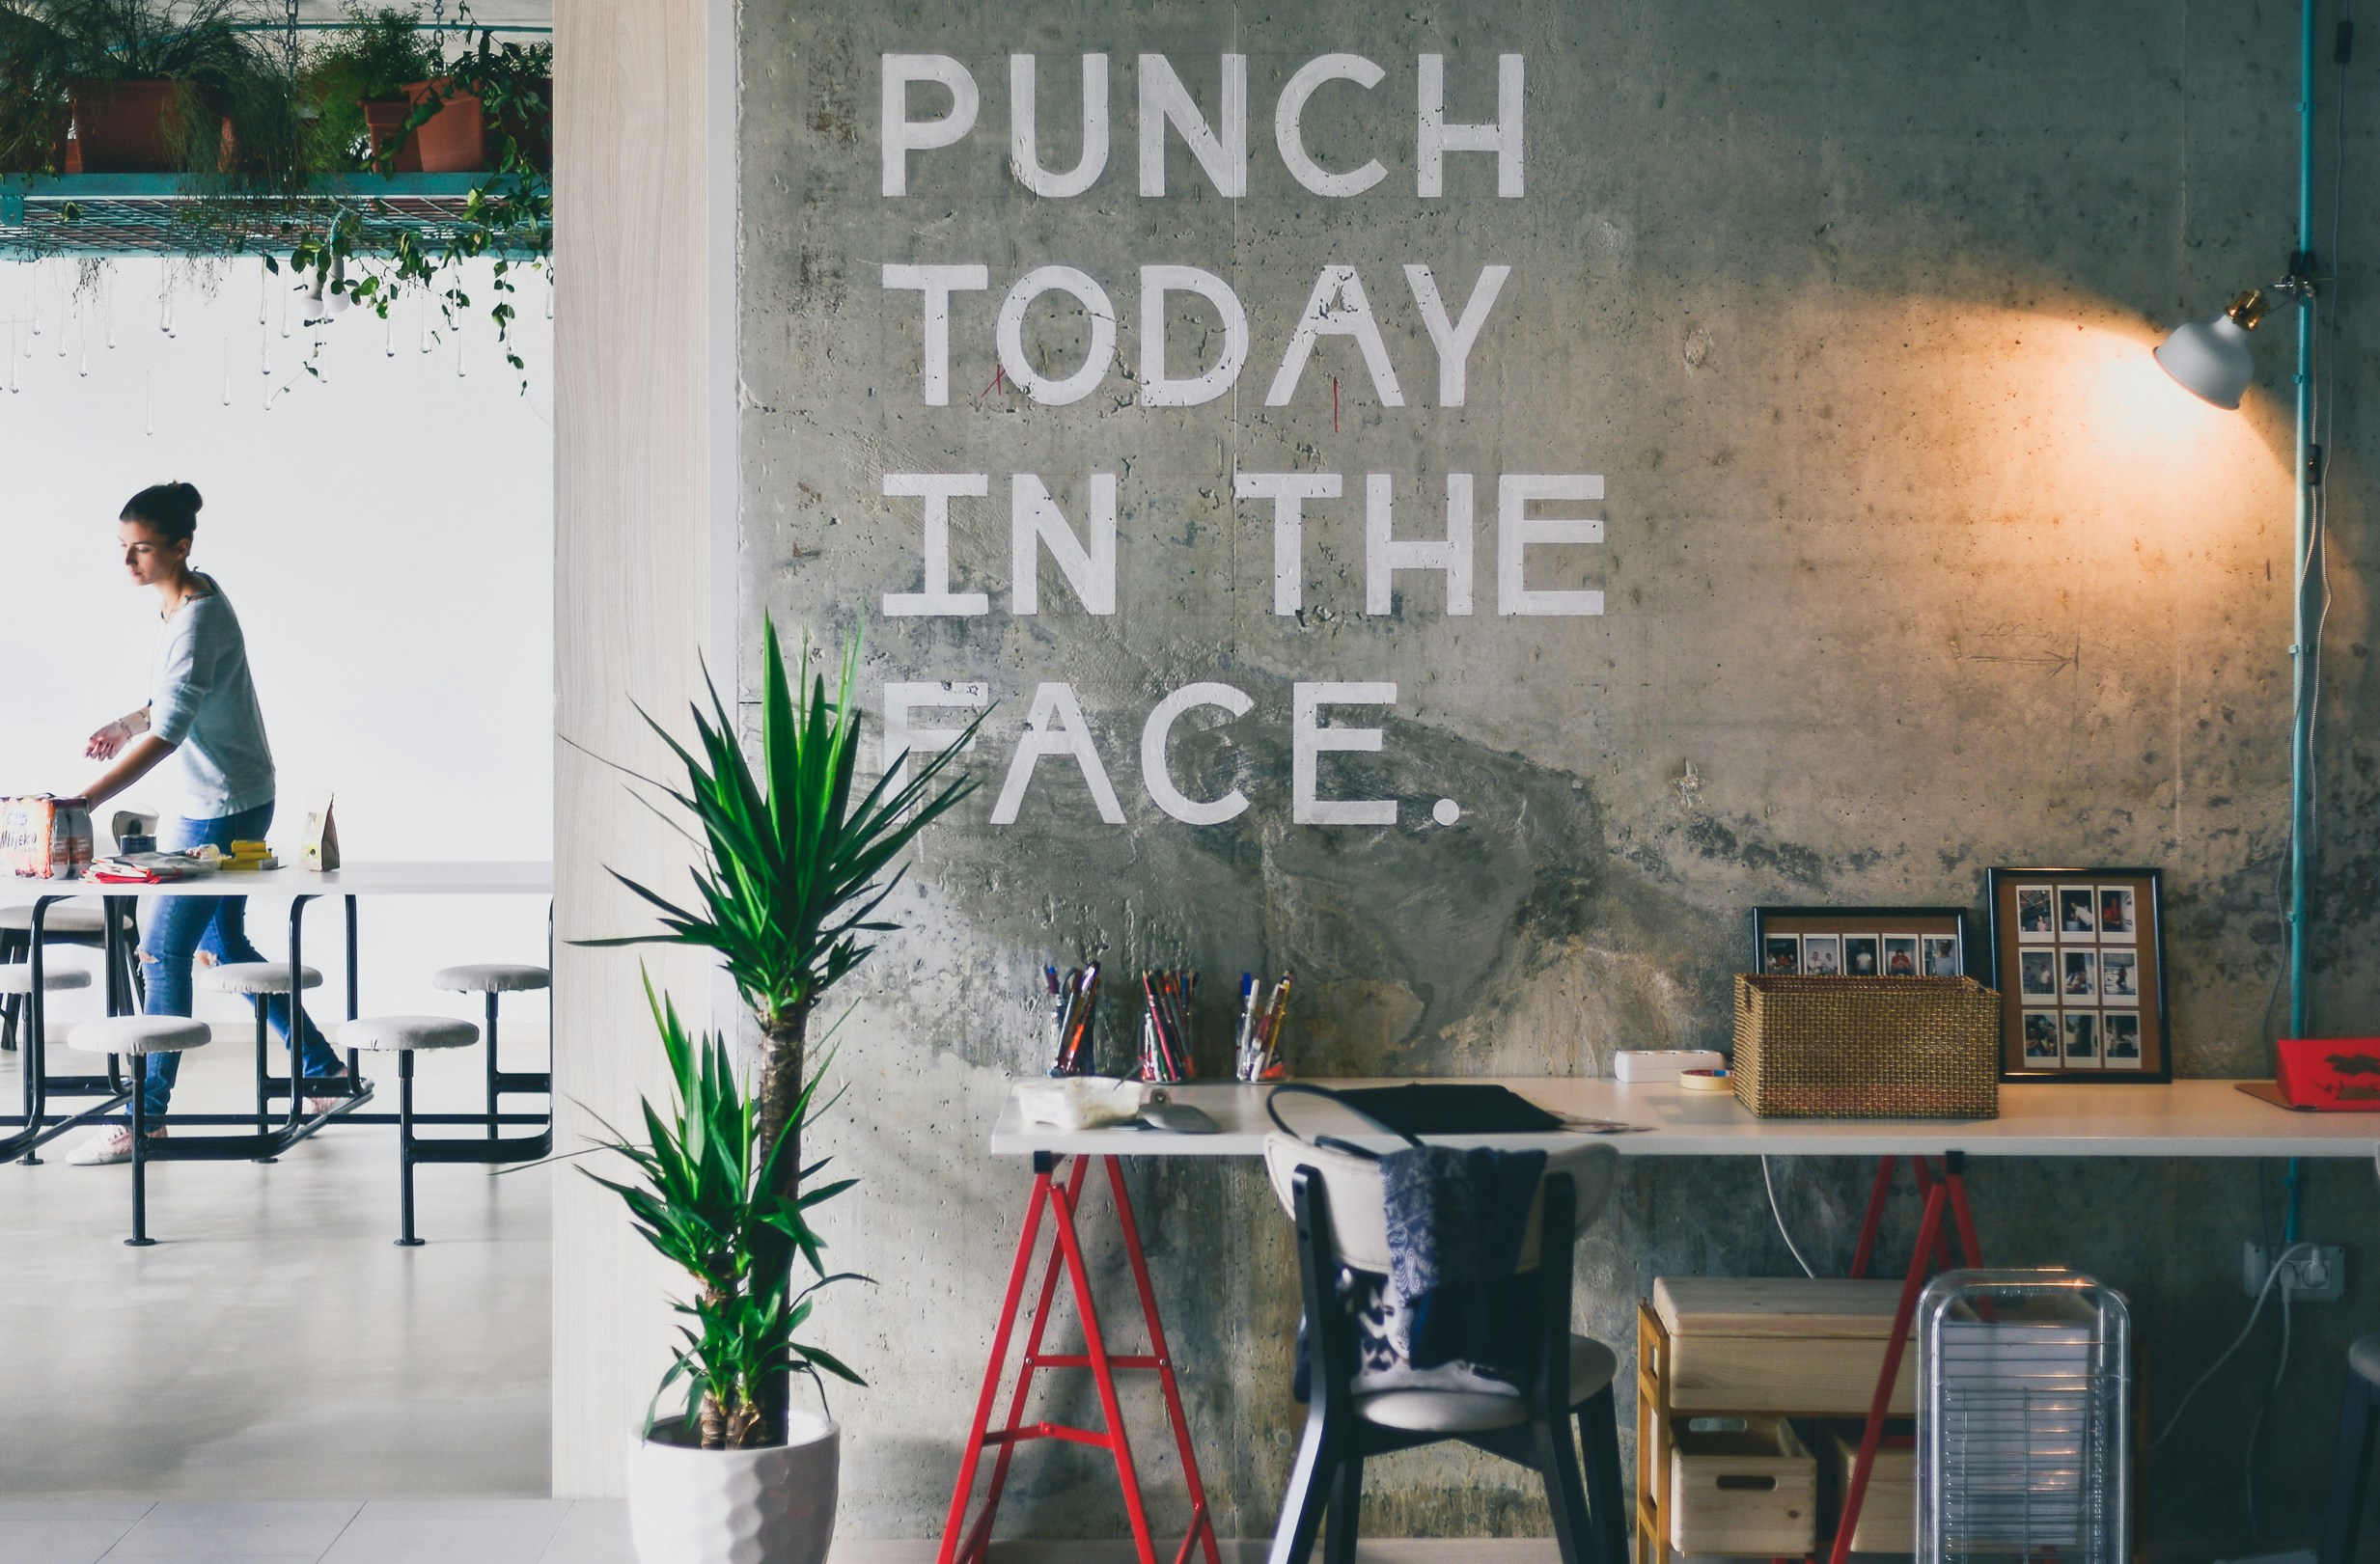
139 759
109 740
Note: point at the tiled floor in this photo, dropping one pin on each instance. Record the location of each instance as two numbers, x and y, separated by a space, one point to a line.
274 1342
305 1531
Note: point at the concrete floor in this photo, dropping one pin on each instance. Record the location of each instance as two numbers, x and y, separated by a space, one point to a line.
531 1531
275 1344
383 1532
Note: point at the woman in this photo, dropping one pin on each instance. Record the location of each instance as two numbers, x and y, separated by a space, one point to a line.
202 713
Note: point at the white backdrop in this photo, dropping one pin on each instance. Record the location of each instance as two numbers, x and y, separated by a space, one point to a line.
386 533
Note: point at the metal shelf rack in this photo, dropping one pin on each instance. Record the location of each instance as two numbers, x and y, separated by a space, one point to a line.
147 214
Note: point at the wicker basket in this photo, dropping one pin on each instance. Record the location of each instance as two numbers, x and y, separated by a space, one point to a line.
1867 1047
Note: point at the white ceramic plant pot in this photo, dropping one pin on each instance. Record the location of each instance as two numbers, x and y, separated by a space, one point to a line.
776 1505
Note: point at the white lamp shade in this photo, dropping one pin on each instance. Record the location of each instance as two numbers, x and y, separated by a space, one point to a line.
2210 359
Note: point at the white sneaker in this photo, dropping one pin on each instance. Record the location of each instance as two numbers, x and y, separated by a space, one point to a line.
317 1107
108 1148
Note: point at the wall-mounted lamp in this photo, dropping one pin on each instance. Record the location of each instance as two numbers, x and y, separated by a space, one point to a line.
2211 360
2210 357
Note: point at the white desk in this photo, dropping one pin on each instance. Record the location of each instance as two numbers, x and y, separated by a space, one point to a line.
299 887
523 878
2188 1119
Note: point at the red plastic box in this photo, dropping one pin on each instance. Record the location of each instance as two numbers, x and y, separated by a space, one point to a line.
2339 1075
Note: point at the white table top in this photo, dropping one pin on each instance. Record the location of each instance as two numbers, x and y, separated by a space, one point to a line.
2188 1119
525 878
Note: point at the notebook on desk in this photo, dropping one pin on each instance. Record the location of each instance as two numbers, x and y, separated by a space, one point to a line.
1452 1108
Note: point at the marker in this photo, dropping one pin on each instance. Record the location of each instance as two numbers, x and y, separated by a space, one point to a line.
1248 1024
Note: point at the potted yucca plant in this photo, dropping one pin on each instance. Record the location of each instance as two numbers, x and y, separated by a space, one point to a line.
796 860
706 1199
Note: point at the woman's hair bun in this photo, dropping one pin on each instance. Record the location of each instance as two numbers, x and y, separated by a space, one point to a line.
168 509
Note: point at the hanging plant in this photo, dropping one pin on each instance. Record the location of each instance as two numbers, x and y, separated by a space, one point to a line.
147 87
509 216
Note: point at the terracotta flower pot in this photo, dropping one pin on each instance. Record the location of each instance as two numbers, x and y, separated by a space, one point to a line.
774 1505
453 141
384 120
126 127
132 128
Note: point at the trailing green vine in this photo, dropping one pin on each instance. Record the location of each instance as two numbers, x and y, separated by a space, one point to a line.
509 216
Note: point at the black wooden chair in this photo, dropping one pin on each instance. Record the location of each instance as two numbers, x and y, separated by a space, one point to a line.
2359 1419
1335 1200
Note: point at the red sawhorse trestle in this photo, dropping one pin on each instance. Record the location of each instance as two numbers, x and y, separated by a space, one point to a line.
964 1544
1942 1182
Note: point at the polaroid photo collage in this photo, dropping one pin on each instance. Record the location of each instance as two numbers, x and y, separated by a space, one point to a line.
2079 976
1860 955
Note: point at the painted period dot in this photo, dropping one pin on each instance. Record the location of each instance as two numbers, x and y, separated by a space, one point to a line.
1446 811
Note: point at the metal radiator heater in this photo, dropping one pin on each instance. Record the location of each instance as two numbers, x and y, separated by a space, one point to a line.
2023 1418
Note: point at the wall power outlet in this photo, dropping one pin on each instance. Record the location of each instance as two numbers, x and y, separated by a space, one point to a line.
2317 1276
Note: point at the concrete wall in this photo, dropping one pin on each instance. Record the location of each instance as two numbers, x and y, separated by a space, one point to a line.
1913 565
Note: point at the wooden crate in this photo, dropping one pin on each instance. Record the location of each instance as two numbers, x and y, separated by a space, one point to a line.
1747 1486
1652 1438
1887 1515
1778 1344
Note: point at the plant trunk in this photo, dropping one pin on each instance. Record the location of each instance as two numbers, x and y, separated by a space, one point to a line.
736 1424
780 1095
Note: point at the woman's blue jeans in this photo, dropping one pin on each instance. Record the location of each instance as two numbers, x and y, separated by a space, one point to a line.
181 926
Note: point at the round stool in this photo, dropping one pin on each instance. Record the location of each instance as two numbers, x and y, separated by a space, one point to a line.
405 1036
256 977
16 979
69 923
492 979
17 989
72 918
257 982
138 1036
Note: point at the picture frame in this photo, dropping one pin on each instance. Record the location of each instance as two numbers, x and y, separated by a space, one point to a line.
1859 942
2078 955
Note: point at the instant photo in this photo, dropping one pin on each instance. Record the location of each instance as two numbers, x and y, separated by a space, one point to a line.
2078 975
2036 913
2037 975
1860 956
2041 1037
1900 956
1942 957
2119 977
1780 956
2119 910
1822 955
2122 1031
2078 912
2082 1035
